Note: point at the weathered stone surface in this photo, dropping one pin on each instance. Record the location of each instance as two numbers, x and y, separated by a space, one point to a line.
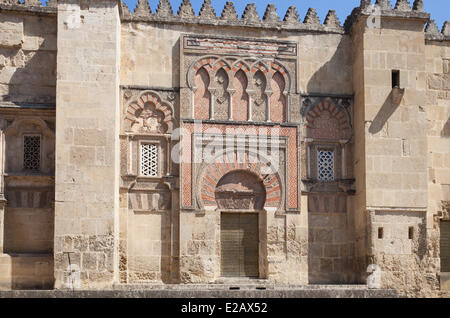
418 6
229 12
291 16
207 11
270 14
354 186
164 9
32 3
12 31
446 28
384 4
311 17
186 11
250 14
332 20
432 30
403 5
142 8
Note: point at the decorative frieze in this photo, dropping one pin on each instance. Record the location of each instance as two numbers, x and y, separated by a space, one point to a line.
239 47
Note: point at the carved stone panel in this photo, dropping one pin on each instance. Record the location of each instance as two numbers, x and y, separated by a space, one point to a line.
240 190
222 97
259 97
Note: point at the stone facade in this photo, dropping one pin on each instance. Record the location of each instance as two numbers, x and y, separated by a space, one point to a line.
148 147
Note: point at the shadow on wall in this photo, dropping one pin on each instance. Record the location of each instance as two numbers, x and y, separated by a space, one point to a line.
446 129
389 107
335 76
33 78
32 271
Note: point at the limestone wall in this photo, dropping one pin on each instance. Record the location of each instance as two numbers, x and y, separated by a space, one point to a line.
151 46
438 115
438 161
27 57
87 143
395 118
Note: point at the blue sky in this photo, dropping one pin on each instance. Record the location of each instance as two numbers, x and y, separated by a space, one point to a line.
439 9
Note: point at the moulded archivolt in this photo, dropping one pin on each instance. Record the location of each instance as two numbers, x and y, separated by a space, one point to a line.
149 114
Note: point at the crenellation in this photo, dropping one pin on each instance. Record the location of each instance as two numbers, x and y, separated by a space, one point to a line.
384 4
332 21
185 11
270 15
250 14
432 32
402 5
207 11
164 9
35 3
446 29
364 4
229 12
311 17
291 16
418 6
54 4
142 8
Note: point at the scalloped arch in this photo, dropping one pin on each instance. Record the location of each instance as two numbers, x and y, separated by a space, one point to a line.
150 96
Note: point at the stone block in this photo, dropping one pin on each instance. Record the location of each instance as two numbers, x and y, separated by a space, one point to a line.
445 281
12 31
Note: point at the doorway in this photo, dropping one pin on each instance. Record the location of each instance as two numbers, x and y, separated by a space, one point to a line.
239 245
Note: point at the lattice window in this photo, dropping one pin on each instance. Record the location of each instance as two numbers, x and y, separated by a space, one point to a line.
325 165
32 153
149 160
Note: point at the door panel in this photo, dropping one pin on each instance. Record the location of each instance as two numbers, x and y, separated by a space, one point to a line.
239 245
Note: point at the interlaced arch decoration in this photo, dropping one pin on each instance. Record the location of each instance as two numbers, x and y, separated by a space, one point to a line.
227 162
249 66
136 106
